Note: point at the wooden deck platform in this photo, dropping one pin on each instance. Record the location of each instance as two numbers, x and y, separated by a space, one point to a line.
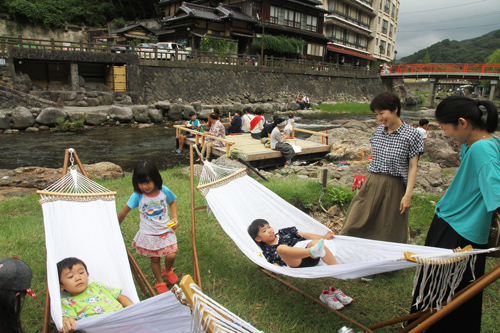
262 157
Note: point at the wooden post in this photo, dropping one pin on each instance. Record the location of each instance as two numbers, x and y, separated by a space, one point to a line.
196 266
52 44
20 41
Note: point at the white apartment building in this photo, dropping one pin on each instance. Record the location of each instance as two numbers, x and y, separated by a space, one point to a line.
361 31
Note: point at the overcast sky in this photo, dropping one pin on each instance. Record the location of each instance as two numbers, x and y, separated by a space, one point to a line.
425 22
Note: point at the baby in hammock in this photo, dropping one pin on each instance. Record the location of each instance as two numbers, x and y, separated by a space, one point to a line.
290 247
86 299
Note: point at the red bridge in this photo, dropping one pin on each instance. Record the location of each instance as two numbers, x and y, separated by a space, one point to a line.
434 72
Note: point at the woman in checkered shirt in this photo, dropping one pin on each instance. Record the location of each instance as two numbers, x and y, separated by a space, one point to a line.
380 209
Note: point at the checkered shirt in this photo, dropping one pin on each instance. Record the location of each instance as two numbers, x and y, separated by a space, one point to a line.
392 152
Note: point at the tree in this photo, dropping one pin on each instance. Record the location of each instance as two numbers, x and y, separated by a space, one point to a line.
427 58
494 58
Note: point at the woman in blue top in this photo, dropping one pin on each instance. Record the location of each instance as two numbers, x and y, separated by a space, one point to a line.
464 214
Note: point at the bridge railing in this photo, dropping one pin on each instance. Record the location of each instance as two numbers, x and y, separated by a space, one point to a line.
426 68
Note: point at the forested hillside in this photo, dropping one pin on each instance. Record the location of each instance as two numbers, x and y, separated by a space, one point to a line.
451 51
54 14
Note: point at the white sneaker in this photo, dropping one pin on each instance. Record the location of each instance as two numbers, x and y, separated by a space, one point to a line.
330 300
340 296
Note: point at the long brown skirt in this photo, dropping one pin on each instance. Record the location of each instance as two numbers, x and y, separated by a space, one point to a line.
374 211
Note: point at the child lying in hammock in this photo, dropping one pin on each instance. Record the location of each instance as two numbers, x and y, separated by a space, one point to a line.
86 300
290 247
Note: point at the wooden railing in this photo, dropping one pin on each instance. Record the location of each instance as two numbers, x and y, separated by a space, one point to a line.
183 55
322 135
201 136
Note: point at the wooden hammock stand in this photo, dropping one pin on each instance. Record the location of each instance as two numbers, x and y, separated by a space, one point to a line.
138 274
423 319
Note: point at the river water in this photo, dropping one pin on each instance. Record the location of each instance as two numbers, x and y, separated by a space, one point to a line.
123 145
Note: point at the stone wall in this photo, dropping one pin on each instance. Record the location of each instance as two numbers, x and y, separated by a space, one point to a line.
219 84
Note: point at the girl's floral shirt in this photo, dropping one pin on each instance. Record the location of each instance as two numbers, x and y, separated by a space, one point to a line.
96 299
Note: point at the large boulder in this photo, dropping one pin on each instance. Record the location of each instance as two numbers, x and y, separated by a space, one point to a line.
4 121
440 151
22 118
76 116
162 105
155 115
67 96
140 113
95 118
122 113
196 106
175 112
50 115
203 115
187 110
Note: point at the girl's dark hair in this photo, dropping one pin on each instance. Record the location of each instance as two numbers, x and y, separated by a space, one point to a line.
216 110
278 120
10 311
386 101
454 107
238 112
214 116
259 111
253 231
144 172
69 263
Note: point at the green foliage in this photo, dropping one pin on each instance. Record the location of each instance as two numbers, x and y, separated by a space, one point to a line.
340 196
66 126
53 14
474 50
494 58
218 45
279 45
427 58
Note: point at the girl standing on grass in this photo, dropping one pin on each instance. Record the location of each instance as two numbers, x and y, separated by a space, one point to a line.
156 237
464 214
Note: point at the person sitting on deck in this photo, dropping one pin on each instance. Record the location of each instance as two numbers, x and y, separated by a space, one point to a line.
209 121
194 124
290 124
235 123
278 141
216 130
265 134
246 119
257 124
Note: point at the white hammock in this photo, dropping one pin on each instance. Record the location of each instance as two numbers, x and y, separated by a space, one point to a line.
80 221
240 200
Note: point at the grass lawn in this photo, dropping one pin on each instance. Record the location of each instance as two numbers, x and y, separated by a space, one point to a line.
345 108
227 275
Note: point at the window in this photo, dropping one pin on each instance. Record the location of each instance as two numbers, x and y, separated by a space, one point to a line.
390 30
388 50
315 50
393 12
274 15
351 38
298 19
382 47
387 6
331 5
384 27
311 23
288 18
362 42
365 19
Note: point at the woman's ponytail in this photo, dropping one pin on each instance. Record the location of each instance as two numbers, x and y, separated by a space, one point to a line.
489 115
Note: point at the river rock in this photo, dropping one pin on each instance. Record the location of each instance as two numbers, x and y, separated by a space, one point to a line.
203 115
162 105
31 130
197 106
4 121
49 116
155 115
140 113
175 112
441 152
76 116
95 118
188 109
22 118
120 112
41 178
67 96
92 101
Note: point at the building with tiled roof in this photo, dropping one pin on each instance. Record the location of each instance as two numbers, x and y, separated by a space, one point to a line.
187 22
